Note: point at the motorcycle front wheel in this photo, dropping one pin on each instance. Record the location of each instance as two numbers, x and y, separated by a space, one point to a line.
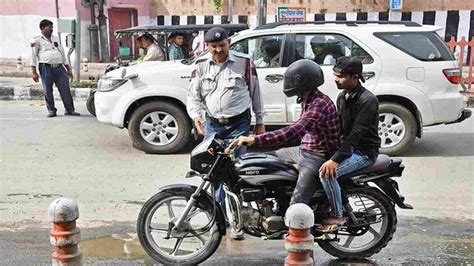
378 219
189 245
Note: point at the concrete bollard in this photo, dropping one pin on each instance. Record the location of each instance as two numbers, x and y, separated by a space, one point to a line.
65 236
85 67
299 242
19 64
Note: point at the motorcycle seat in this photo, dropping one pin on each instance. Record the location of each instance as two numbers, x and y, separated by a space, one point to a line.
382 163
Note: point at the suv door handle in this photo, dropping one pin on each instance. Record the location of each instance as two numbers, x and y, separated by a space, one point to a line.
274 78
368 75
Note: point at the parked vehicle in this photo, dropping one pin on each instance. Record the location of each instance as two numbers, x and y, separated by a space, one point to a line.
127 52
162 34
406 65
90 102
183 224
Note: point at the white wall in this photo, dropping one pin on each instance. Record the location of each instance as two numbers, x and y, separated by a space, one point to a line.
17 32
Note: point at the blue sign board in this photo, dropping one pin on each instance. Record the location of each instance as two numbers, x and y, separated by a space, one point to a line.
396 4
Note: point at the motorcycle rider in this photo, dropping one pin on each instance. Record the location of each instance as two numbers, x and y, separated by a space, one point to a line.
358 112
317 128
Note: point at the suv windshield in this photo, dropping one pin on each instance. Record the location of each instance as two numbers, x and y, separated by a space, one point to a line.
424 46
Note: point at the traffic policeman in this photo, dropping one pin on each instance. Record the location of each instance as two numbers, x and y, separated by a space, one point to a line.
49 55
224 87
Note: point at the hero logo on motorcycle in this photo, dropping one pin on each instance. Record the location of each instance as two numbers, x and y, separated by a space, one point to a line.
252 172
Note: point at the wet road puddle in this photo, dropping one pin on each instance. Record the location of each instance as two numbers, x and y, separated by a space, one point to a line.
120 246
126 246
117 246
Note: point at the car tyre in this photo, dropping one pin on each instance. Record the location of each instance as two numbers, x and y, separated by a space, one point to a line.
90 105
180 122
397 128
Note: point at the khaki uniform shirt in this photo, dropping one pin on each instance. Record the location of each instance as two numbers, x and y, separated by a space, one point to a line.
223 90
45 51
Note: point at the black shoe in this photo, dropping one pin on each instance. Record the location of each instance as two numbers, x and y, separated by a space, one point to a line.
73 113
52 114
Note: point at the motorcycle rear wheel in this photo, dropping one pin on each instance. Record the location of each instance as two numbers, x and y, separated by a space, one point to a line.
379 206
152 228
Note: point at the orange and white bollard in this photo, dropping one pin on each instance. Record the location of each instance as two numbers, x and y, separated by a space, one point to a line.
299 242
65 236
19 64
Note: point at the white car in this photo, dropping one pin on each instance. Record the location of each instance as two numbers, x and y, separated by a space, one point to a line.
406 65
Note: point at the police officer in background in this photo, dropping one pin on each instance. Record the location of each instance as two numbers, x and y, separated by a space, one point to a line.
53 68
224 86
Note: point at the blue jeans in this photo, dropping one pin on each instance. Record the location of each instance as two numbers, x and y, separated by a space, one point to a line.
332 188
228 133
58 76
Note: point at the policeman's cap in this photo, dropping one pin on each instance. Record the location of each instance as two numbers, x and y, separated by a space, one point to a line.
216 34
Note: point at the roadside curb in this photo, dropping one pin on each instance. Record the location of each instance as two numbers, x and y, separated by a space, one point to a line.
32 93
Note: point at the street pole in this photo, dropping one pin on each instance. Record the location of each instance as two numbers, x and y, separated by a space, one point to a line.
57 17
77 39
104 42
262 12
93 36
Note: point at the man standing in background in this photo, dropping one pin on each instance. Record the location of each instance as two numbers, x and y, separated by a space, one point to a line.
198 44
49 55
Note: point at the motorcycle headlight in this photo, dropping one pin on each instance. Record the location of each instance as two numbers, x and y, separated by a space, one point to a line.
110 84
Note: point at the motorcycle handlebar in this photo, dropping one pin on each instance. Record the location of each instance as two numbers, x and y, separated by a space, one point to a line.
232 148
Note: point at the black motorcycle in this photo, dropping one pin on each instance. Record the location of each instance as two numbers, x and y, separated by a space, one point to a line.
183 224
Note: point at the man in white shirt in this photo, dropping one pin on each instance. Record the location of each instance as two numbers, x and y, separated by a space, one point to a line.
225 87
153 51
198 44
48 54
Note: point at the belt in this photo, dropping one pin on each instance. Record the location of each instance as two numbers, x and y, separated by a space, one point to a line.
50 65
230 120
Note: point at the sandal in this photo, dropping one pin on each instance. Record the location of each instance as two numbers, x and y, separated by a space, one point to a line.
330 224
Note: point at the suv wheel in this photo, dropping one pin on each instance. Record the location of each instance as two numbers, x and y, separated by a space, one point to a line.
397 128
159 127
90 105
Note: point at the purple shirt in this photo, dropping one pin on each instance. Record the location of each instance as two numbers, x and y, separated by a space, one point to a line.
318 125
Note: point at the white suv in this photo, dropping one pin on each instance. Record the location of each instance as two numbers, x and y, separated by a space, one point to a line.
406 65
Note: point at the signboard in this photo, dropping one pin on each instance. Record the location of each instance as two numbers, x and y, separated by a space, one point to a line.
396 4
291 14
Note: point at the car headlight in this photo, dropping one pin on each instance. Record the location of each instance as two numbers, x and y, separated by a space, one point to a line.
110 84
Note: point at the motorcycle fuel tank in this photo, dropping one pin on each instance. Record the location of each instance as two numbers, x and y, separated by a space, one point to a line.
260 168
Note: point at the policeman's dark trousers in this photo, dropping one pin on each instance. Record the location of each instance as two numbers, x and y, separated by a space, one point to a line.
228 133
308 178
58 76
